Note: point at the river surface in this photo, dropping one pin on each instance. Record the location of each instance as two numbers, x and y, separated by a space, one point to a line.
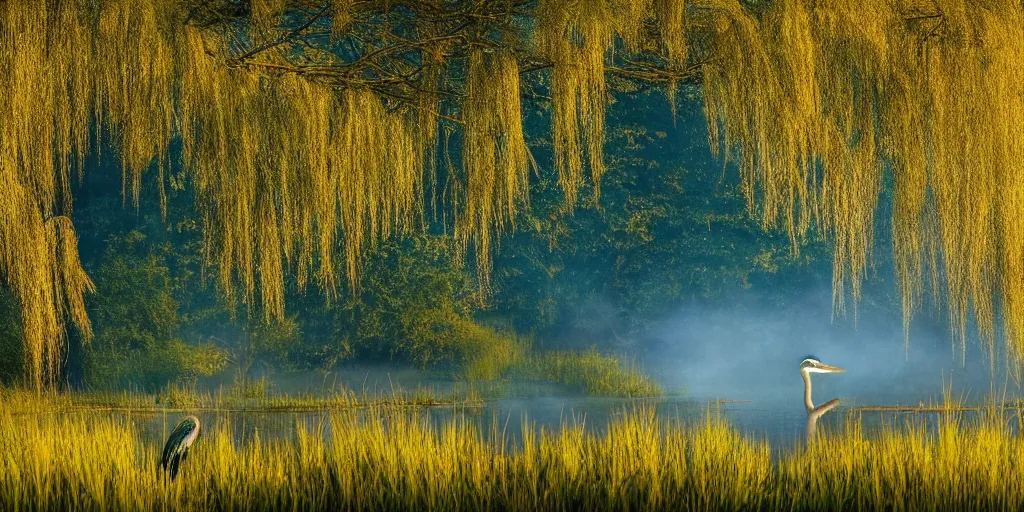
781 425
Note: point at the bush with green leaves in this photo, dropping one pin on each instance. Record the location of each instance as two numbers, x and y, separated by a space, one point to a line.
414 305
136 320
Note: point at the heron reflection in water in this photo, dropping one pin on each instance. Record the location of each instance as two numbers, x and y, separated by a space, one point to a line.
178 444
811 365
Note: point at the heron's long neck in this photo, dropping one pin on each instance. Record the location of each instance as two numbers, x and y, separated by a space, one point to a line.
807 390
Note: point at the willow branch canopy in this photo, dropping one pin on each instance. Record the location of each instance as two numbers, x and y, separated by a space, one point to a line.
312 127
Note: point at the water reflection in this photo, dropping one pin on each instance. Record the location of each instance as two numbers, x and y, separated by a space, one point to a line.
814 414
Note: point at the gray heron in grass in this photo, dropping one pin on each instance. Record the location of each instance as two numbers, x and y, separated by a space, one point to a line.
178 444
810 365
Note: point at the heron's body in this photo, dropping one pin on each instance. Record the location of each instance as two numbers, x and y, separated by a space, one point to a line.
178 444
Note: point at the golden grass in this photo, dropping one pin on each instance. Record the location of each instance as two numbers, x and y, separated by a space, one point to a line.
588 372
493 356
386 459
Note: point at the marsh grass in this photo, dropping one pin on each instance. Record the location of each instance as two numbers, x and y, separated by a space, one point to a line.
500 356
386 458
175 398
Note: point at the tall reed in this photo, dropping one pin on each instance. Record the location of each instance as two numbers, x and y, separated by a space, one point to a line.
388 459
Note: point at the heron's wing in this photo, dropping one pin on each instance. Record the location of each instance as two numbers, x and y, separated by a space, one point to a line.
177 442
175 463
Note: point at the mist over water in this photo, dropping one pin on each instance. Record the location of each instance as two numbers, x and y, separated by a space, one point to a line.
753 353
745 351
748 350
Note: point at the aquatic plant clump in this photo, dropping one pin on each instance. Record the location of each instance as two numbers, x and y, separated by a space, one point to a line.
390 460
589 372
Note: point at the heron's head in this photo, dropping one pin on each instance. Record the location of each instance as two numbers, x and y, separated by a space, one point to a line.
811 364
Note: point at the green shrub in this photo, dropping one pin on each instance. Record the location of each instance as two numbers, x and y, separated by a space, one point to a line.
135 314
153 366
245 389
487 354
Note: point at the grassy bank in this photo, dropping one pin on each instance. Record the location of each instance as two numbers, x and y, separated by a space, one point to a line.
496 356
588 372
494 376
389 459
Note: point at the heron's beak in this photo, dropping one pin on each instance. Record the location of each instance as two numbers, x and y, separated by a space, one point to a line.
828 368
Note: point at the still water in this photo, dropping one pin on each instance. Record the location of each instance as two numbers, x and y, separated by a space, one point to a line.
781 425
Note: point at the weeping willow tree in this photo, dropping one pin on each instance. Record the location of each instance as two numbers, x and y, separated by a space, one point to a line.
313 128
818 102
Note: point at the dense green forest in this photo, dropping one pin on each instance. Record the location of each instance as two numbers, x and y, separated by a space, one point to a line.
670 228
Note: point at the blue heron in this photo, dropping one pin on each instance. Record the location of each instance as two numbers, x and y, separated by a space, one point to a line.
180 440
808 366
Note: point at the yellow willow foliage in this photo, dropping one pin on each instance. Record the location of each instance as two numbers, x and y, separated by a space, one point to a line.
135 81
38 248
427 124
672 23
265 16
341 16
41 258
282 164
1007 143
495 153
378 171
576 36
817 100
285 170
